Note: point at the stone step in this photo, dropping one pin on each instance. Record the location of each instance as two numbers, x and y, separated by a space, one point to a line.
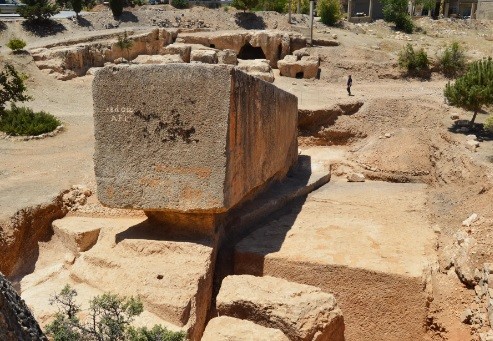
369 243
301 312
225 328
132 258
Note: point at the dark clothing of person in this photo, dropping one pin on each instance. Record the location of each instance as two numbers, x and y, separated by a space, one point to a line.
349 83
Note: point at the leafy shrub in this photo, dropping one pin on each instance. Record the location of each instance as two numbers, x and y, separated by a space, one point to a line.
329 11
37 10
278 6
488 124
116 7
16 44
157 333
453 60
181 4
403 22
244 4
109 318
24 121
415 62
124 43
304 6
396 11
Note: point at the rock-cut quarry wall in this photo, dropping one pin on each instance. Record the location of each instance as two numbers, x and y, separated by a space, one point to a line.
16 320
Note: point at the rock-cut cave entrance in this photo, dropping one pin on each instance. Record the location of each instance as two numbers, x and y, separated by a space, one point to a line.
249 52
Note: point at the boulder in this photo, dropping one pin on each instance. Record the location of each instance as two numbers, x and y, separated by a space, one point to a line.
226 328
300 53
78 234
306 67
189 137
204 56
180 49
355 177
259 68
227 57
301 312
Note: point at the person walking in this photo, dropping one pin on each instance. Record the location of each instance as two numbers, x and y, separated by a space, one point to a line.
349 83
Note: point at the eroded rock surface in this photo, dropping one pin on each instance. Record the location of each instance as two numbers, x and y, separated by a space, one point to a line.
195 137
225 328
16 320
302 312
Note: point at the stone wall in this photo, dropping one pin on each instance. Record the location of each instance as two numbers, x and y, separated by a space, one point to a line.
16 321
189 137
485 9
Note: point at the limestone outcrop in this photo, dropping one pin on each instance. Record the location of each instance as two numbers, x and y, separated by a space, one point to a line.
301 64
301 312
16 320
189 137
249 44
80 58
225 328
259 68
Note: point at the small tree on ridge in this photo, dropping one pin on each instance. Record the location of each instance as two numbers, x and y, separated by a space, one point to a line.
474 89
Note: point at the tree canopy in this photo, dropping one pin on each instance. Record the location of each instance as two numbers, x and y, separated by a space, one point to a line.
474 89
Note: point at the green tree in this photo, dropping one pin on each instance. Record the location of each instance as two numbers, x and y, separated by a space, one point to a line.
304 6
75 5
244 4
12 87
116 7
37 10
124 43
453 60
109 318
474 89
396 11
329 11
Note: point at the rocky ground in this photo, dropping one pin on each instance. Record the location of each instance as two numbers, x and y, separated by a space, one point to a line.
393 129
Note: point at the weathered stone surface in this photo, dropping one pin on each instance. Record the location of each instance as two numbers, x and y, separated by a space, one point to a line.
204 56
80 58
274 44
226 328
326 42
133 257
189 137
227 57
78 234
306 67
302 312
158 59
183 50
355 177
259 68
385 270
16 320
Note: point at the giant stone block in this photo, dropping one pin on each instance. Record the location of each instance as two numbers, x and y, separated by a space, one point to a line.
189 138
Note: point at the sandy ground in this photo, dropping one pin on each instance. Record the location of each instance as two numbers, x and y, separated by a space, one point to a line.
420 147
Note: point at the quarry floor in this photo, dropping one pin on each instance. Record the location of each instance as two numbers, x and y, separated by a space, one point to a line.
439 181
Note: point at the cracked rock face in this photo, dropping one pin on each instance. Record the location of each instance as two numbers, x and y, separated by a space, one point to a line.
16 320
